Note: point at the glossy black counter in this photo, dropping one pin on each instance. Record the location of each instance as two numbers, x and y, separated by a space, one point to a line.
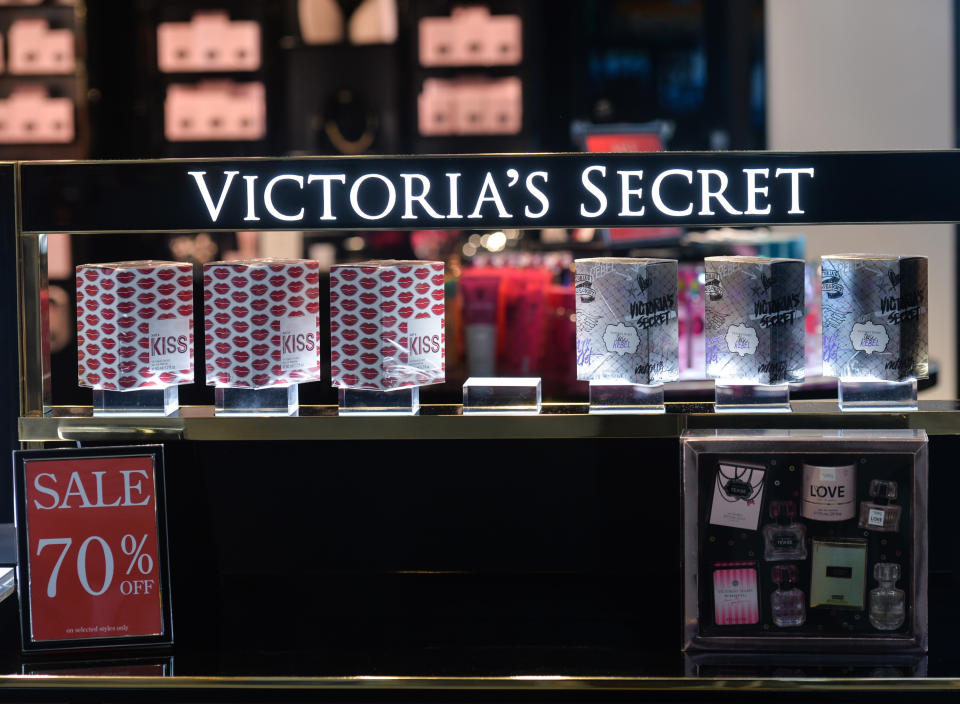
543 550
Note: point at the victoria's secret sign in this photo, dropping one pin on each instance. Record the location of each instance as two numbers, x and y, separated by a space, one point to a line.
537 190
430 200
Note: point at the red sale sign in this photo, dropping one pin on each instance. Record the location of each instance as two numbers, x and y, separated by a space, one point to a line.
92 545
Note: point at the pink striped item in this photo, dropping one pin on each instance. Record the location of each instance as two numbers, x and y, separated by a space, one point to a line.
735 593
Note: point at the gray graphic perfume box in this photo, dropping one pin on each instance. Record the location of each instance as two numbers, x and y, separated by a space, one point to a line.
627 320
754 320
874 317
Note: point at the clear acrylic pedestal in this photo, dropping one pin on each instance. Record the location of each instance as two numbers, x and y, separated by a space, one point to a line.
495 395
622 397
139 402
752 398
272 401
370 402
862 395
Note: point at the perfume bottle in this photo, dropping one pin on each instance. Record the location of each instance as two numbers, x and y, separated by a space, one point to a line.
887 603
880 514
787 603
785 539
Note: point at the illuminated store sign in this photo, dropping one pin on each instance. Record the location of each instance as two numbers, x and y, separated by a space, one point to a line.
376 196
537 190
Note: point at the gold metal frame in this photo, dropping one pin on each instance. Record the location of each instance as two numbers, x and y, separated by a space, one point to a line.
34 325
40 423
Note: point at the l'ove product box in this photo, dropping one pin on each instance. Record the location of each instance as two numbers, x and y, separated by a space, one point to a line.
829 492
261 319
754 320
134 325
874 317
627 320
387 324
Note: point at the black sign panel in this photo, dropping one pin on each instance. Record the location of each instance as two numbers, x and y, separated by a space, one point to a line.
515 191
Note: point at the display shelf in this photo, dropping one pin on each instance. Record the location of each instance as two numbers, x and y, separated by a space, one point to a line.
438 422
544 564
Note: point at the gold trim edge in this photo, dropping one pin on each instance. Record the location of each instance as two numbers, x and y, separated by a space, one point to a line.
514 683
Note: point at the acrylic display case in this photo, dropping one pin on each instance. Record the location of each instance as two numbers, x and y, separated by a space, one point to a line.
805 540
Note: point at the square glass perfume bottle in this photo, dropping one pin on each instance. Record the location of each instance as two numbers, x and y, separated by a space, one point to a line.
880 514
787 603
785 539
887 603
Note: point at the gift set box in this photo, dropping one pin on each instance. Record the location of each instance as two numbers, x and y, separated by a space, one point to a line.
627 320
874 310
261 322
134 325
387 324
805 540
754 319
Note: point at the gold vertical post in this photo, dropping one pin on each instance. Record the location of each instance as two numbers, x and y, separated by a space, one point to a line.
34 324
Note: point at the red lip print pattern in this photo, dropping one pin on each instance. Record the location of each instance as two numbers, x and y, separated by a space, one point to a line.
369 303
268 291
121 302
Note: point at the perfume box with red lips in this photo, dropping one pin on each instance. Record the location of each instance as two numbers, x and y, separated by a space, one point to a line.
261 322
134 325
387 324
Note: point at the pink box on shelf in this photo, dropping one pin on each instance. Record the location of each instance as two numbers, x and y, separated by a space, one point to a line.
470 106
505 43
437 107
215 111
134 325
261 322
30 116
387 324
436 41
471 36
210 41
37 49
503 112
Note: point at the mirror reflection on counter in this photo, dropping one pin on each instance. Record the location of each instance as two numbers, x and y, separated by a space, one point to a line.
790 665
98 666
